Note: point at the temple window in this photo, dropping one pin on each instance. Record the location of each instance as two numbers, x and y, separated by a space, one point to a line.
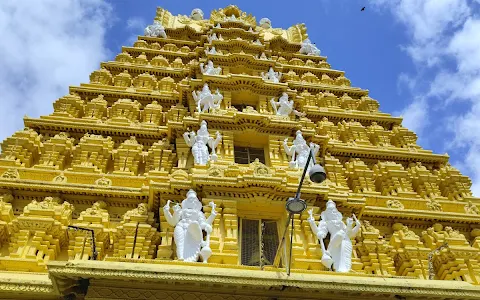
247 155
259 242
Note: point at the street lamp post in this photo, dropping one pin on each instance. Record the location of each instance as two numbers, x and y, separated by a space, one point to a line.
296 205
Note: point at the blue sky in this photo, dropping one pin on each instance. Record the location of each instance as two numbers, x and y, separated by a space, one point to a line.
418 58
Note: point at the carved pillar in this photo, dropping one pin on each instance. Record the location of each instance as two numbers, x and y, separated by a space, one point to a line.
229 231
6 216
225 148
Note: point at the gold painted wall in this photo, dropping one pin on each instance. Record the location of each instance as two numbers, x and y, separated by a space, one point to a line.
112 153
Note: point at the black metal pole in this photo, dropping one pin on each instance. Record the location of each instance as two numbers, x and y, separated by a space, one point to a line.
291 246
134 240
276 262
94 249
310 156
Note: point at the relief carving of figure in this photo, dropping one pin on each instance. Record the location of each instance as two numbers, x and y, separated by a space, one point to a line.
284 107
339 253
471 208
272 76
299 151
210 69
309 48
189 221
212 51
155 30
205 100
214 37
199 143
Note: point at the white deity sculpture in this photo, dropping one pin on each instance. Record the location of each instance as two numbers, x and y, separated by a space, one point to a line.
284 107
197 14
257 42
210 69
309 48
199 143
214 37
212 51
205 100
155 30
262 56
339 253
265 23
299 151
189 221
250 29
272 76
218 25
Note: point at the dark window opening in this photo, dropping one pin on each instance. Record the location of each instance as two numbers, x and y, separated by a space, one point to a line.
259 242
246 155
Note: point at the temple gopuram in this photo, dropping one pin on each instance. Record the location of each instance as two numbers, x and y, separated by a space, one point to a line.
168 174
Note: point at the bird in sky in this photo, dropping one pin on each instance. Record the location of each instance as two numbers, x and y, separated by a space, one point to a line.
363 8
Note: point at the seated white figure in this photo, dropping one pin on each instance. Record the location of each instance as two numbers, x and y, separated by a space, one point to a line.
309 48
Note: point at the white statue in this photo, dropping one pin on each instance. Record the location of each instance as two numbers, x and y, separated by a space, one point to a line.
212 51
189 221
210 69
205 100
265 23
339 252
218 25
214 37
257 42
197 14
284 107
155 30
299 151
309 48
272 76
199 143
262 56
250 29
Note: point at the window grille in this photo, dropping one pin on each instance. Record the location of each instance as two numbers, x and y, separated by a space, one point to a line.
246 155
259 242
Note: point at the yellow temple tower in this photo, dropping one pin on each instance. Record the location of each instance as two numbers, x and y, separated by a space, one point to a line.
167 177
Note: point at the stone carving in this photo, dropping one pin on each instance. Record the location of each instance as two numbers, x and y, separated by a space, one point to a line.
265 23
11 174
395 204
309 48
257 42
199 143
197 14
155 30
140 211
471 208
339 252
272 76
263 56
210 69
214 37
212 51
189 221
299 151
97 209
434 205
103 181
60 178
205 100
284 107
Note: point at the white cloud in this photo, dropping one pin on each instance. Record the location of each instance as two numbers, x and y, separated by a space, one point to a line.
46 46
415 116
442 31
135 26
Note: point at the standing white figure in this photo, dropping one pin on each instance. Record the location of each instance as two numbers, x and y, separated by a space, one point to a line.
211 51
309 48
272 76
189 221
199 143
197 14
210 69
205 100
339 252
299 151
284 107
155 30
214 37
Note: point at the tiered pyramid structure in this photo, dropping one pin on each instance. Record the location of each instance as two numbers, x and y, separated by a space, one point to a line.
116 149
